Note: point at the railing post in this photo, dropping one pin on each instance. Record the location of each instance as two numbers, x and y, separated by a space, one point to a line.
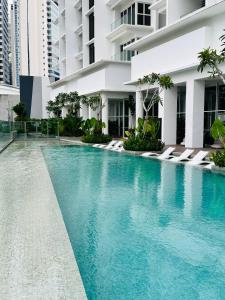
47 130
58 129
25 129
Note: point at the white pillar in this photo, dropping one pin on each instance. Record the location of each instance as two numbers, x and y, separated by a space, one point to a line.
139 105
105 113
92 113
64 111
84 111
169 116
195 99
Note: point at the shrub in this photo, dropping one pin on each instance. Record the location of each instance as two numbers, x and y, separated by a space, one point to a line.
71 126
144 137
135 143
218 158
98 139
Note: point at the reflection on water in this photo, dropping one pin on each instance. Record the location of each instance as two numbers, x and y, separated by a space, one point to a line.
141 229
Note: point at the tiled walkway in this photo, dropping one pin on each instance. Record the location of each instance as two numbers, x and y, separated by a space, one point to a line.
36 258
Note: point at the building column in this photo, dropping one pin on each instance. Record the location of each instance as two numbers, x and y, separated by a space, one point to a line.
105 113
64 112
84 113
92 113
139 106
195 99
169 116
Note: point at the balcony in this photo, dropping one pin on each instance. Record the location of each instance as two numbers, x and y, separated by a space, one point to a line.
124 56
198 5
158 5
114 3
123 29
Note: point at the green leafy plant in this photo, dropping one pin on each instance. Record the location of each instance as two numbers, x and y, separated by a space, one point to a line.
218 158
144 137
20 110
211 58
152 94
99 139
95 103
71 126
218 131
92 129
70 100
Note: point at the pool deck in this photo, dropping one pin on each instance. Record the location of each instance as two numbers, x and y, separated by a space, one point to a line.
36 257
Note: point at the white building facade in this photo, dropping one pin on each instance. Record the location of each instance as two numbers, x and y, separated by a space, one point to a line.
39 50
93 35
99 42
183 28
15 43
4 43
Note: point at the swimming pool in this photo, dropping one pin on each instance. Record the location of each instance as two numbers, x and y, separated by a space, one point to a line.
141 229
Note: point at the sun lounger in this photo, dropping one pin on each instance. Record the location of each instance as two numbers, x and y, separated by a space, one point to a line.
165 155
209 166
117 146
198 159
183 157
112 143
121 149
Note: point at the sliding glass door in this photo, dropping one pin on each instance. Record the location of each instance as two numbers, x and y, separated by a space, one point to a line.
118 117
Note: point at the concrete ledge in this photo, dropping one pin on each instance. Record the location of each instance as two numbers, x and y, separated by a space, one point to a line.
36 257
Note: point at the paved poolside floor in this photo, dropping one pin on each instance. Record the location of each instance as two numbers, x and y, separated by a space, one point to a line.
36 258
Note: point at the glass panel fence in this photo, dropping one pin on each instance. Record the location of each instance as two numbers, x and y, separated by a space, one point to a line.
6 134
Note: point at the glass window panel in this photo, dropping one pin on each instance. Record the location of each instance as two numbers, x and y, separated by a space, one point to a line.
147 20
140 20
210 98
140 8
129 15
133 14
126 123
126 105
147 10
221 100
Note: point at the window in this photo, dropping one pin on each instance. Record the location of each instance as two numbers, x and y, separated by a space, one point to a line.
91 26
128 15
144 14
126 55
214 108
91 53
91 3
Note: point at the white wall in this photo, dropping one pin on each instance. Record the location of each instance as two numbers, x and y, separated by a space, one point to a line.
174 54
8 98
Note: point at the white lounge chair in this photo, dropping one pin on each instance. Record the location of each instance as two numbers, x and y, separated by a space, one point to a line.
117 146
112 143
198 159
165 155
121 149
209 166
183 157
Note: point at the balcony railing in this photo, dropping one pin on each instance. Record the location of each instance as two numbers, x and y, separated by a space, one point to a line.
125 56
120 21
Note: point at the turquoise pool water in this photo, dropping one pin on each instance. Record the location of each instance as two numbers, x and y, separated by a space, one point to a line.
141 229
